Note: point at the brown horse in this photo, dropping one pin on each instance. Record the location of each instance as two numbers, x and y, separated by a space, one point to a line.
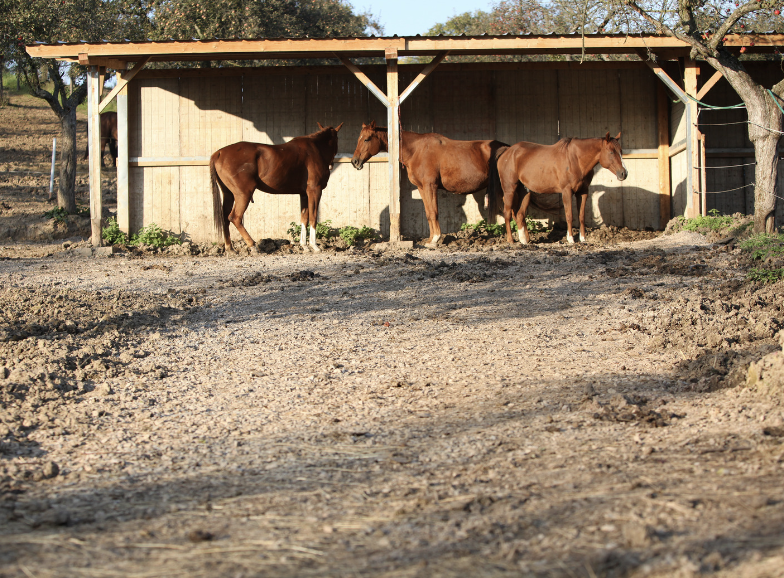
432 162
567 167
108 125
298 167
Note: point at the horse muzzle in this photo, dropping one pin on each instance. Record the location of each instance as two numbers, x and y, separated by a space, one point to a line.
358 164
622 174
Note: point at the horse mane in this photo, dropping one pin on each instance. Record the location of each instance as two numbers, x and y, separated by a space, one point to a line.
563 144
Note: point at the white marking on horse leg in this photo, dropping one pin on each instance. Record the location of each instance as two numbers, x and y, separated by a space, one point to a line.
570 238
582 239
302 235
435 239
521 236
313 239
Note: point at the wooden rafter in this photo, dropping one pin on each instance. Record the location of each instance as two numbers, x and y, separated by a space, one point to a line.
422 75
122 82
114 54
717 76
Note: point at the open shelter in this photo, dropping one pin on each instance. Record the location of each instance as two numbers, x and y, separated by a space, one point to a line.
171 120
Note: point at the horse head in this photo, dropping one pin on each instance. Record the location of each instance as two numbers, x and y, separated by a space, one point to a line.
330 140
611 156
369 143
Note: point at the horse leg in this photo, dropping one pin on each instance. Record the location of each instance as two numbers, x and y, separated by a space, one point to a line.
583 201
429 194
303 220
228 204
241 202
314 197
522 226
567 202
510 193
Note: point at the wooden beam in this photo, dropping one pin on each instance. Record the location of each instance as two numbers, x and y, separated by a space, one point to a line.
123 189
717 76
422 75
690 72
362 77
94 148
663 121
393 135
122 82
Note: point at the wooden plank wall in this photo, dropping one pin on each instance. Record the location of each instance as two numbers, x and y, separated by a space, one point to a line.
194 116
678 162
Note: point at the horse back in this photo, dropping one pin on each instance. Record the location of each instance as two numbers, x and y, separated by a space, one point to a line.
457 166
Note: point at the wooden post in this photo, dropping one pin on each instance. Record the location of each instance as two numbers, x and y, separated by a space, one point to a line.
393 133
665 194
94 148
123 202
691 70
703 179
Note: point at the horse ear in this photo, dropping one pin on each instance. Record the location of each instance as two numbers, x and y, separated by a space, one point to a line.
618 137
337 129
607 136
322 128
372 124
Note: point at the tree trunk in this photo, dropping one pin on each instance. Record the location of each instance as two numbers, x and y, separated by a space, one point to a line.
764 132
2 81
66 189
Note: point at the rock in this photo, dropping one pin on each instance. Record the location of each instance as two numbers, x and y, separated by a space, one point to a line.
200 536
103 389
50 470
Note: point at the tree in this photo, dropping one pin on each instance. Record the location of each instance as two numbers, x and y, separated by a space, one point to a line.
26 21
704 26
186 19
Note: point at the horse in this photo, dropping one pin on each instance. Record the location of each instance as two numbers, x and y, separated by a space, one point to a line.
299 167
434 161
566 167
108 126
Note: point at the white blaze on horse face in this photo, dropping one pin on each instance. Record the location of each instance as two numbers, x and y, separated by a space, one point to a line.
302 234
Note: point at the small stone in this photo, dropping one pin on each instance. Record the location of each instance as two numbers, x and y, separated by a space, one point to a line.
103 389
200 536
50 470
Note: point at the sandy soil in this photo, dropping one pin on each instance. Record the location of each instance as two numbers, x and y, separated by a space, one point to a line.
476 410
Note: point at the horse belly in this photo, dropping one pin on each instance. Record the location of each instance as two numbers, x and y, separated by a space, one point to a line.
464 179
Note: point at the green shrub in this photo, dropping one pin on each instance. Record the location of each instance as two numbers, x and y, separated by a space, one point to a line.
351 234
712 222
112 234
765 275
499 230
60 214
763 246
151 235
324 230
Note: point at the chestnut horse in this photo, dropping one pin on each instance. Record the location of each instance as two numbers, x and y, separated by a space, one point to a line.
298 167
108 126
434 162
567 167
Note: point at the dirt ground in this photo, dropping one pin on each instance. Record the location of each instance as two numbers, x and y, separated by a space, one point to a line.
611 408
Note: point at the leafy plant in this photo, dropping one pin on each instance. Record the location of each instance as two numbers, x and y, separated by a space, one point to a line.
352 234
498 230
712 222
112 234
59 214
763 246
151 235
323 230
765 275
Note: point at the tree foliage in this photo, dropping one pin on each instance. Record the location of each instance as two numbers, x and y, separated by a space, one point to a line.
186 19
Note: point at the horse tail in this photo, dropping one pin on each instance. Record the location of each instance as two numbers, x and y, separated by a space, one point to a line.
217 204
494 190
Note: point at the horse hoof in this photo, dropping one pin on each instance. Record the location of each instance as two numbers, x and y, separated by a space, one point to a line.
315 249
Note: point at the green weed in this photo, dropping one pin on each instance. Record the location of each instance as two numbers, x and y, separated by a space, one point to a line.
763 246
712 222
498 230
351 234
765 275
59 214
151 236
324 230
